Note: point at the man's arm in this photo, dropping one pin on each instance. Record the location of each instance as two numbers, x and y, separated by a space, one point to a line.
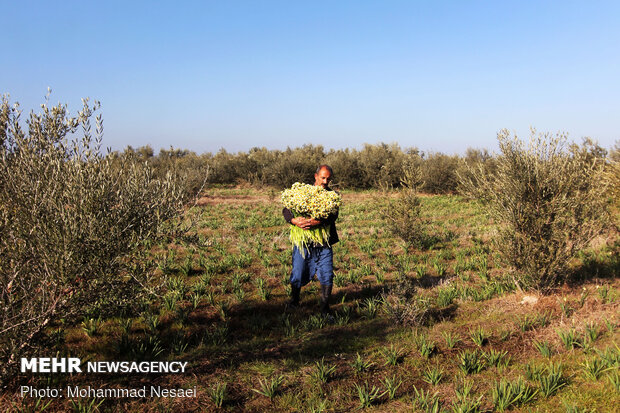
301 222
287 214
331 218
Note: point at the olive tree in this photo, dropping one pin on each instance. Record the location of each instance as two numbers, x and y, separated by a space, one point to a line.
70 219
548 201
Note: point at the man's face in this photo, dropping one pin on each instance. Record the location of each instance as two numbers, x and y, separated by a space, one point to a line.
322 178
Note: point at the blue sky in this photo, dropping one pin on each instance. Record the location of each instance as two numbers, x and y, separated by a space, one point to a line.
438 75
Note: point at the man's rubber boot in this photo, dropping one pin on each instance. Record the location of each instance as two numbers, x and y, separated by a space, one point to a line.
295 293
326 292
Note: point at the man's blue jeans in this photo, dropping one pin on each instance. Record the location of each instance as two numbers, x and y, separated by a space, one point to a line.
318 260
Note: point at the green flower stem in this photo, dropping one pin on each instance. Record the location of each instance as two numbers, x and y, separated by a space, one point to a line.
302 238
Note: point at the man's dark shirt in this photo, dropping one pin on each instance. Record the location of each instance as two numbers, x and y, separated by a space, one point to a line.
331 220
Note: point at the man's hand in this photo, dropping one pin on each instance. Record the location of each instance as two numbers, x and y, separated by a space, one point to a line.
305 223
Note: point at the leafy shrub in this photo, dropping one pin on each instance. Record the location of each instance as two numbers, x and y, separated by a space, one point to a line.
612 179
189 170
403 305
381 164
70 219
548 200
439 173
348 171
294 165
402 216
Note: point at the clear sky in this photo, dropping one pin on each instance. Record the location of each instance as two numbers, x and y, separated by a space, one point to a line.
438 75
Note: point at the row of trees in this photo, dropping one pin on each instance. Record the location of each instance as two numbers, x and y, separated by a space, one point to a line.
371 167
374 166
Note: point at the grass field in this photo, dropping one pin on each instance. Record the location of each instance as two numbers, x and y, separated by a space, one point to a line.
467 340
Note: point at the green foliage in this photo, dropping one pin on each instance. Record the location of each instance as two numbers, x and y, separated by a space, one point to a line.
187 265
239 294
571 408
343 316
529 322
195 299
614 380
611 356
446 296
604 293
549 201
591 332
91 326
217 394
368 395
534 371
403 215
391 385
432 375
478 336
176 286
438 172
569 338
544 348
404 306
85 406
427 402
340 280
506 394
171 300
425 346
369 308
465 400
27 405
471 362
322 372
373 166
392 355
497 358
125 324
552 380
439 267
593 368
612 178
179 344
451 339
360 365
263 289
72 220
270 388
151 321
316 322
318 406
145 348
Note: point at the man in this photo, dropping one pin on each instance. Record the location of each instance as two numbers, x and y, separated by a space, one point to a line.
318 259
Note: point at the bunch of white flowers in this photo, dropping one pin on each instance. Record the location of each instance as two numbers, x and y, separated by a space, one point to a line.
310 201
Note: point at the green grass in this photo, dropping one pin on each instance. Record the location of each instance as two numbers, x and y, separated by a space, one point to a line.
223 309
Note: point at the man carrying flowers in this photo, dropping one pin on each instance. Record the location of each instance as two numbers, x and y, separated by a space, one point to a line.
311 211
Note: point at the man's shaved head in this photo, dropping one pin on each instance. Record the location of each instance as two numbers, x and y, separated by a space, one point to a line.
327 167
